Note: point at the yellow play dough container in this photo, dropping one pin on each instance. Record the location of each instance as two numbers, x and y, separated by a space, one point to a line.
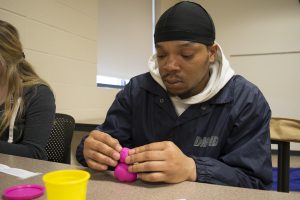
66 184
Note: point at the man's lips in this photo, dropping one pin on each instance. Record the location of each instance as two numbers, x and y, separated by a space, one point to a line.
171 78
172 81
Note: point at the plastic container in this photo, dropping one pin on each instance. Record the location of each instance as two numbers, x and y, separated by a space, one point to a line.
23 192
66 184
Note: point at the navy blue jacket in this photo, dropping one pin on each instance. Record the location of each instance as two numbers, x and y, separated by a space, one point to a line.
227 136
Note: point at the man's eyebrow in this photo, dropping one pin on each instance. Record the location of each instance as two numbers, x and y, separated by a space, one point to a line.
158 46
186 44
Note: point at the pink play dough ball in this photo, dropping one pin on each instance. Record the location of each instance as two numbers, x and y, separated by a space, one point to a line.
123 175
123 154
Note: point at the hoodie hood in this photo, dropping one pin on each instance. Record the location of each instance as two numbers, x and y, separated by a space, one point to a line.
220 73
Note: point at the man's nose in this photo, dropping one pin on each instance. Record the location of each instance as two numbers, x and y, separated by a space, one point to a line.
172 63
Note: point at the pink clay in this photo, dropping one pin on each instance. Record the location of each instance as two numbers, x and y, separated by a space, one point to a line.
123 154
121 170
123 175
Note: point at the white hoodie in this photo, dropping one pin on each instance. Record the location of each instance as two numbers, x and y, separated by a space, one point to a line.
220 73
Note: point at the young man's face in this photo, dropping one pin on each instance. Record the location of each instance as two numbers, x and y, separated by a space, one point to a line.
184 66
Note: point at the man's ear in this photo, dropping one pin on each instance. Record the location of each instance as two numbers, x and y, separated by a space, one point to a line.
213 52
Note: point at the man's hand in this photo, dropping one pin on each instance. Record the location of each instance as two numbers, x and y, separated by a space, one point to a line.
101 150
161 162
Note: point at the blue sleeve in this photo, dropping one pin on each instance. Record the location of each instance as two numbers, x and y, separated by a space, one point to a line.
117 122
246 161
79 152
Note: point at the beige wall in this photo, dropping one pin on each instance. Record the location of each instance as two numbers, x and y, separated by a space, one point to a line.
162 5
125 38
60 40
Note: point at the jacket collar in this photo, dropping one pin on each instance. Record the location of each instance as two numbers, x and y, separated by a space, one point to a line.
225 95
149 84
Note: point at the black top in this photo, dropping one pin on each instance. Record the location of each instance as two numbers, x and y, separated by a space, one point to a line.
32 130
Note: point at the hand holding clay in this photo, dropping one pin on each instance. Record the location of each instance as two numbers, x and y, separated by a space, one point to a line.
121 170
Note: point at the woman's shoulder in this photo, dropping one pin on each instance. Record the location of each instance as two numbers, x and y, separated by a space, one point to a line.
37 90
38 93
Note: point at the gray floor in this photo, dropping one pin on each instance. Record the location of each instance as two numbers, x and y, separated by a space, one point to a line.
294 160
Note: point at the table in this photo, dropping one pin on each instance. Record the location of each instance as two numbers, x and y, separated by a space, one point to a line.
103 185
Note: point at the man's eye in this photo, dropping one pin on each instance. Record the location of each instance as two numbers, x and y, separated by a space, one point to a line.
161 56
187 56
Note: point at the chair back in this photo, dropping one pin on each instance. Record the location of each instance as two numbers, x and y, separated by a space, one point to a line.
58 147
284 129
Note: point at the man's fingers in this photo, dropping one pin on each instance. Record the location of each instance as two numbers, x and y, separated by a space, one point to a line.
101 142
151 166
95 165
152 177
145 156
107 150
156 146
98 150
108 140
100 158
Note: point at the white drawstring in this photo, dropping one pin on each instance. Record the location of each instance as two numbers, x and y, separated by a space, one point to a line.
12 121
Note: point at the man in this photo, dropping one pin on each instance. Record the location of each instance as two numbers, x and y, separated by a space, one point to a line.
189 118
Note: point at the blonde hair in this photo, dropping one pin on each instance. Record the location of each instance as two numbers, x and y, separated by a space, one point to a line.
15 72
